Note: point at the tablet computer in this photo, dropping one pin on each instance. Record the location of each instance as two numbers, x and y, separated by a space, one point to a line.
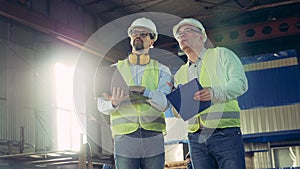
106 78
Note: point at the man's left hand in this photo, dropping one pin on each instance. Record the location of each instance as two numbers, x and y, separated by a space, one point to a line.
204 94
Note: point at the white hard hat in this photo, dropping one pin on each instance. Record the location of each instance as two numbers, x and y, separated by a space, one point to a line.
193 22
145 23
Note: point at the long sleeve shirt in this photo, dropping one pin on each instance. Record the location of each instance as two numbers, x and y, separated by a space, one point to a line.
157 97
230 66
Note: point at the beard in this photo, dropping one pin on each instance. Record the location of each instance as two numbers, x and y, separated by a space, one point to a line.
138 44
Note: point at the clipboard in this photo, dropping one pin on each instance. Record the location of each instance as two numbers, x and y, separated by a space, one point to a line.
108 77
182 100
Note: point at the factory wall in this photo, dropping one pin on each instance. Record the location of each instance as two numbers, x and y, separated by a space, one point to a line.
272 100
17 89
27 92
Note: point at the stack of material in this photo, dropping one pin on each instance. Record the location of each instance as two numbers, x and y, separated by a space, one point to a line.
85 156
176 165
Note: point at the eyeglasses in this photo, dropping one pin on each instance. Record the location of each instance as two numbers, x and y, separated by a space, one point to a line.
143 34
185 31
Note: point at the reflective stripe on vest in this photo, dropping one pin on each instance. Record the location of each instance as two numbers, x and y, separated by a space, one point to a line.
219 115
134 119
130 117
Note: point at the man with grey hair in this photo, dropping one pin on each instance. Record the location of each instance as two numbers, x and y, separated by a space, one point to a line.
138 125
214 135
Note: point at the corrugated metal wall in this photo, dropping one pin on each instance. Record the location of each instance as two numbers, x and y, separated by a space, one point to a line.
4 28
270 119
3 93
20 92
262 152
27 58
273 80
262 160
261 155
45 95
272 101
17 84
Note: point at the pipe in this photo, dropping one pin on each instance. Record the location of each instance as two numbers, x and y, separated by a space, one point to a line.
273 5
22 139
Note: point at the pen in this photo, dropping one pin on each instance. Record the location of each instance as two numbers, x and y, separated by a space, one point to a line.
171 85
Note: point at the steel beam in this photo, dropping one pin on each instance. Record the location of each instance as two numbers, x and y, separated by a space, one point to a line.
40 22
47 25
255 32
249 33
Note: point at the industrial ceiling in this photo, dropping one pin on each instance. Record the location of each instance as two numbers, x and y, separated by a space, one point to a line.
248 27
213 13
236 19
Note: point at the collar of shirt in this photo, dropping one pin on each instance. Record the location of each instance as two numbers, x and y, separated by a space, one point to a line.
201 56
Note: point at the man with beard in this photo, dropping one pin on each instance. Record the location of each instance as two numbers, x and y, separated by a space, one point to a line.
214 135
138 125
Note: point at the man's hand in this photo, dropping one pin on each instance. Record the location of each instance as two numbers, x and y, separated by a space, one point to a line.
117 96
203 94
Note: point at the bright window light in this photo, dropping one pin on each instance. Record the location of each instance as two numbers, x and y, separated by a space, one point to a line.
68 128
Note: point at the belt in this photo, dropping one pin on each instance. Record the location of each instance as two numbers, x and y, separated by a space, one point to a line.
142 133
144 130
215 130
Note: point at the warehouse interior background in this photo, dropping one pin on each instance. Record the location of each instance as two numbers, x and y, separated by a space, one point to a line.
50 51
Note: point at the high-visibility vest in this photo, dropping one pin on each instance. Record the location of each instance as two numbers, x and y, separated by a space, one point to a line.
218 115
129 117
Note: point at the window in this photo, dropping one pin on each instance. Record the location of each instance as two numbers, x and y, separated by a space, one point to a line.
68 127
286 156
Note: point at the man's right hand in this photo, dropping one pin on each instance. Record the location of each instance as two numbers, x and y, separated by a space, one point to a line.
117 96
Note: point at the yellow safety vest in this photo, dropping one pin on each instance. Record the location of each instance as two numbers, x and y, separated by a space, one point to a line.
219 115
129 117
